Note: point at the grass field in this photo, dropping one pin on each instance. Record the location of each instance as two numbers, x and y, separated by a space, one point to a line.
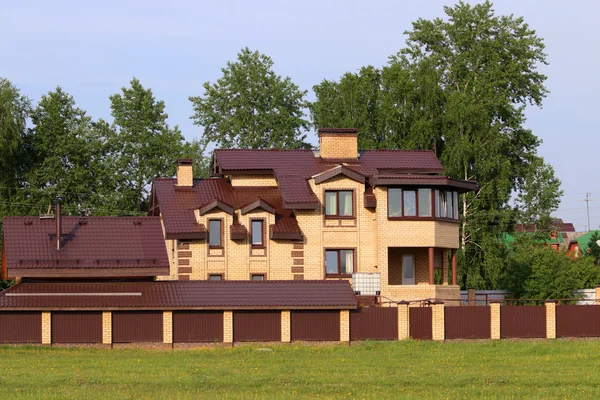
414 370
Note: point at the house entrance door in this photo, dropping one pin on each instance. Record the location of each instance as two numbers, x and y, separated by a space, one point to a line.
408 269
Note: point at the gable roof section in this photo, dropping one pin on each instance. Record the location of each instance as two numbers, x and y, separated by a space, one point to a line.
177 206
258 203
293 168
92 246
339 170
216 203
177 295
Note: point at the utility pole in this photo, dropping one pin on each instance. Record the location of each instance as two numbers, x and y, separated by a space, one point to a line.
587 203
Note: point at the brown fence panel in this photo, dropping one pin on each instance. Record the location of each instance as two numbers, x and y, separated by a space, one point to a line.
467 322
257 326
375 323
20 327
577 321
420 323
76 327
197 326
522 321
137 326
315 325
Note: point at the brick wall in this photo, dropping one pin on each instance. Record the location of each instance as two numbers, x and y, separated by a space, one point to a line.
107 327
252 180
46 328
338 146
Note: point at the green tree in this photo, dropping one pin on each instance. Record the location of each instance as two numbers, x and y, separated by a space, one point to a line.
594 247
15 148
144 145
67 155
461 86
536 271
251 106
14 152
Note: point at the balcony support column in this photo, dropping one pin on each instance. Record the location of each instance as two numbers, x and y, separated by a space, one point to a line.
454 266
430 254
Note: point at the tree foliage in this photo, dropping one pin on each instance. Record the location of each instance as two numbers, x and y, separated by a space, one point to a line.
251 106
460 87
145 146
536 271
66 156
593 249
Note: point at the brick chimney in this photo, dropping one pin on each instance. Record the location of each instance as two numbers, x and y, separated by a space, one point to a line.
338 143
185 175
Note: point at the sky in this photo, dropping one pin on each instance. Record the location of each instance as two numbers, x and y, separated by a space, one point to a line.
92 49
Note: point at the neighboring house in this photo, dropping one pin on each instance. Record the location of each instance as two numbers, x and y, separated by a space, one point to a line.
558 237
384 219
578 246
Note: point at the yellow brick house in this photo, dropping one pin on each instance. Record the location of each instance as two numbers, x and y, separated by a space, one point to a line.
384 219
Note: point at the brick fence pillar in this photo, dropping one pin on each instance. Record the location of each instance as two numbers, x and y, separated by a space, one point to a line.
168 327
403 321
107 327
495 320
551 319
345 326
437 321
472 296
228 327
597 295
46 328
286 333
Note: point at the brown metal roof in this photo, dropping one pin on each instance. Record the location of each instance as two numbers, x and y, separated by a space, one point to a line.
339 170
177 206
338 130
238 232
172 295
292 168
424 180
92 246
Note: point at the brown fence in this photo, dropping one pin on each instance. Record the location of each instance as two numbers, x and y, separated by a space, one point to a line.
467 322
522 322
375 323
197 326
257 326
20 327
315 325
577 321
137 326
76 327
420 323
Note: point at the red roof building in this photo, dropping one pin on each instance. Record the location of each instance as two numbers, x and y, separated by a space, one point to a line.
83 247
333 213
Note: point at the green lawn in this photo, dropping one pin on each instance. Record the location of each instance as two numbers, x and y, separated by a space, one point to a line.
414 370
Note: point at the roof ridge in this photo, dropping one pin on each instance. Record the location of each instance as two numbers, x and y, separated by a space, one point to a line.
84 217
265 150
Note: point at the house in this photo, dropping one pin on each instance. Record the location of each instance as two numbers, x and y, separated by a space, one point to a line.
578 246
385 220
557 238
275 246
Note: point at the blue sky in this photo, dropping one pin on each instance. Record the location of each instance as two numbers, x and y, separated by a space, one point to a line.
92 50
